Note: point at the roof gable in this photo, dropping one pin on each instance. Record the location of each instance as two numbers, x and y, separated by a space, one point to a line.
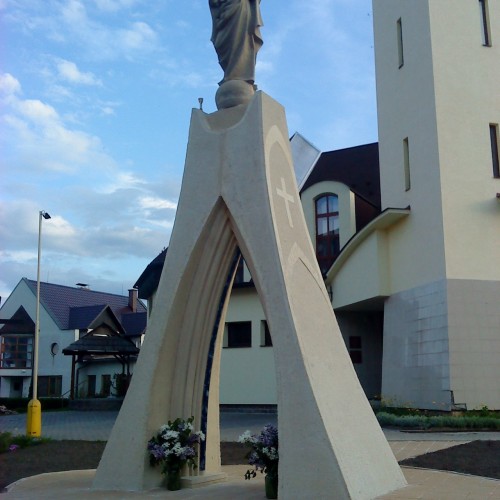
59 300
103 340
149 279
93 316
20 323
357 167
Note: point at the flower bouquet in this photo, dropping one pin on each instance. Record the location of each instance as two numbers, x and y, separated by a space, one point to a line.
172 447
263 456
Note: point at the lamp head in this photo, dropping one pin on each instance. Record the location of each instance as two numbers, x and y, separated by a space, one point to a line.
45 215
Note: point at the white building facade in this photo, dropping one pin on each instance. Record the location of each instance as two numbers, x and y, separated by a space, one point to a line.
416 291
438 74
67 315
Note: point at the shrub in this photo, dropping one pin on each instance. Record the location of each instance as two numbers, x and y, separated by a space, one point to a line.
439 421
20 405
8 442
5 441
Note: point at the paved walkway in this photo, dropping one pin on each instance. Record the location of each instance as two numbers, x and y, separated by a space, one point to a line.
97 425
425 484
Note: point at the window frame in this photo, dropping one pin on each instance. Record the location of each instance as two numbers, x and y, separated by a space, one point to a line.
20 358
265 335
485 22
356 349
406 163
399 30
231 336
495 149
49 386
330 239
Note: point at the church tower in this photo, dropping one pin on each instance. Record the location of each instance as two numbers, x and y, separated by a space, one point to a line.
438 93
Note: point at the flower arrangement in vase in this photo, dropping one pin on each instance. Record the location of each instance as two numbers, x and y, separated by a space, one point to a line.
173 447
264 456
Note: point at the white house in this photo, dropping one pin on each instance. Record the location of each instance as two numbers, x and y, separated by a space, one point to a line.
407 231
68 315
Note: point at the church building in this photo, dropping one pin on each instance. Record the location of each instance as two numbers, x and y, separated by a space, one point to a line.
407 230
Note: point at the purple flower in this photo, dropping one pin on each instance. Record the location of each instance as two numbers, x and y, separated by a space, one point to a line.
264 455
13 447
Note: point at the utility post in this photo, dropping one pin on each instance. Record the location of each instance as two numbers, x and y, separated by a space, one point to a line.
34 415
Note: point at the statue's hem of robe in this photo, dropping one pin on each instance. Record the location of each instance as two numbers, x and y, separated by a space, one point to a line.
237 39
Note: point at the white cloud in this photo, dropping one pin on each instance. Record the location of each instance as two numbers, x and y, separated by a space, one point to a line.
139 36
60 227
122 181
74 13
114 5
37 137
69 71
37 111
107 110
9 85
150 202
102 41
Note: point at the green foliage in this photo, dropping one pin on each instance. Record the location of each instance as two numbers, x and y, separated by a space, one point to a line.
438 421
5 440
485 412
21 404
121 383
8 442
388 405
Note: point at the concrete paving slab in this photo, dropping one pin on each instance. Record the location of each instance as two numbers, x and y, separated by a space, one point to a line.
422 484
97 425
85 425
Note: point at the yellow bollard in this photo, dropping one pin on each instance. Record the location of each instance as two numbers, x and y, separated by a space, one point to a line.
34 419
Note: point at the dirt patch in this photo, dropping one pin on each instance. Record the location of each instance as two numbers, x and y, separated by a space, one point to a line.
479 458
56 456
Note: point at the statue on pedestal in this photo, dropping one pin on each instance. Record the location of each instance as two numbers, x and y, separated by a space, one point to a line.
237 39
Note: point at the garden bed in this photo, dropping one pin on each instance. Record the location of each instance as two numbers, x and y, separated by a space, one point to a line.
480 458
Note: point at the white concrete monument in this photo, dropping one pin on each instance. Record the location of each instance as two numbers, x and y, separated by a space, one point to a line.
239 190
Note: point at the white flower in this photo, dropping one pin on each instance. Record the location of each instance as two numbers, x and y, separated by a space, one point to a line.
164 428
200 435
270 452
170 435
247 437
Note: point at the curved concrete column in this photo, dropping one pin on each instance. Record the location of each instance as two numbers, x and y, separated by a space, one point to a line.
239 189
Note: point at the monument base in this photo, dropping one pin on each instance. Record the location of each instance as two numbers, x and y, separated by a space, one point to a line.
204 479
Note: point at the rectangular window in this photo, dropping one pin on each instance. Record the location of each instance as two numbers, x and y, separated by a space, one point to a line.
265 335
91 386
16 351
50 387
105 385
401 60
485 22
406 160
239 334
355 350
495 154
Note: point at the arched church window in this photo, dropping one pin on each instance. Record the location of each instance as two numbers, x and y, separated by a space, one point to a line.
327 230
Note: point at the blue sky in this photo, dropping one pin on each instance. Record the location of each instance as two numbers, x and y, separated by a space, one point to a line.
95 102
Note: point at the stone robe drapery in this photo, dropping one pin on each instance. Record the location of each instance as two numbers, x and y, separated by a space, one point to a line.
236 37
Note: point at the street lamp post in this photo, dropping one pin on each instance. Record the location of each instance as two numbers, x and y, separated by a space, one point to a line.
34 415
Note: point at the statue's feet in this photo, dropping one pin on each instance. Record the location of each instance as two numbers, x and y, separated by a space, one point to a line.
233 93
